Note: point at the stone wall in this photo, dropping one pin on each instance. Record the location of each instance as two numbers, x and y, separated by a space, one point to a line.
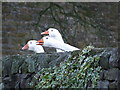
17 22
18 70
110 75
24 21
80 24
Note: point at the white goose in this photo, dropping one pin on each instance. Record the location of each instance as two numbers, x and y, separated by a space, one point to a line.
54 33
31 45
51 42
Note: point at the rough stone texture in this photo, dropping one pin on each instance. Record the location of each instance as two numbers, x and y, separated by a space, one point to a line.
110 58
113 85
102 74
104 59
20 22
103 84
19 69
82 24
112 74
114 61
31 63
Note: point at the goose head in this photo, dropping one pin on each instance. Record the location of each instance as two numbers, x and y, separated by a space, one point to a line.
46 41
52 32
31 45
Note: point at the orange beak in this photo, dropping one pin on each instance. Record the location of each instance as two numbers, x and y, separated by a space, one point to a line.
25 47
46 32
40 42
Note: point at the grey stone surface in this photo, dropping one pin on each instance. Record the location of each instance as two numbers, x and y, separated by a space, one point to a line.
104 62
112 74
113 85
31 63
92 25
103 84
19 69
114 60
110 58
102 74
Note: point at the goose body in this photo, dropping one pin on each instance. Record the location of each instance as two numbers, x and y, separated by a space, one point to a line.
51 42
54 33
31 45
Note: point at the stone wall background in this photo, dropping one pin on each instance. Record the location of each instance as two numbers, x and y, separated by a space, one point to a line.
18 70
80 24
110 75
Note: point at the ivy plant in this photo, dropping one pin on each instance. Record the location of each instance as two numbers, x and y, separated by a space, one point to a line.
81 70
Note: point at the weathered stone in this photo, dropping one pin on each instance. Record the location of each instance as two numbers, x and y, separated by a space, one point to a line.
114 60
112 74
9 82
103 84
104 61
6 63
109 57
118 85
31 63
113 85
6 79
21 68
102 75
97 51
39 17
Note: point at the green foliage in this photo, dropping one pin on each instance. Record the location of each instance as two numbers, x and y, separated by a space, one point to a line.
81 70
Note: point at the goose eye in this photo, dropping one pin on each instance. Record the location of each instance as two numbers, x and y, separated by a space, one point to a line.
46 38
30 42
51 30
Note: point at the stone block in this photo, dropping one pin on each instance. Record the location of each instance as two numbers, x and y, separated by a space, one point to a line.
112 74
102 74
104 62
114 60
113 85
103 84
104 58
31 63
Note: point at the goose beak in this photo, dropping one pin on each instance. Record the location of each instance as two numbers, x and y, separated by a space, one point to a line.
40 42
25 47
46 32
